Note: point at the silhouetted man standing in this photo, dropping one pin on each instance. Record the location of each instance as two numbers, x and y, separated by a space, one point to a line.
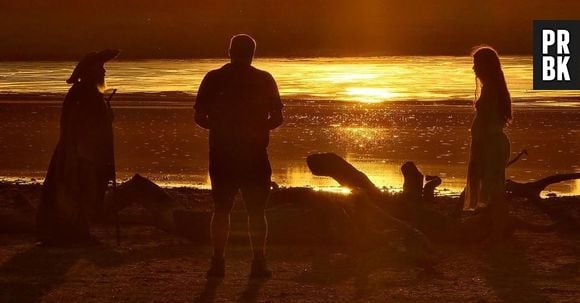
239 104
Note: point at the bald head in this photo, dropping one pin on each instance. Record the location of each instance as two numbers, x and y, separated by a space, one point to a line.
242 48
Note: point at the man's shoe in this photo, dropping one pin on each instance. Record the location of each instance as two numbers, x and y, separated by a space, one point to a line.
217 269
260 269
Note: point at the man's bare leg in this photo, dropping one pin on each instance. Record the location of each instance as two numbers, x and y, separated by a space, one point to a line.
258 230
220 228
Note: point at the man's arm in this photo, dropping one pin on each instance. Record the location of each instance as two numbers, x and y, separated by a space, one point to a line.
204 96
275 119
276 106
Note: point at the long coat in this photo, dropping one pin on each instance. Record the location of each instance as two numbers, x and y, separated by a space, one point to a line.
80 167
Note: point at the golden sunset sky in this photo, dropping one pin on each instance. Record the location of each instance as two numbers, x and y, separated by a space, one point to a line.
63 29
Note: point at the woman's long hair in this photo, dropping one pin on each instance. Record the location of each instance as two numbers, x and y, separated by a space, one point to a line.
488 70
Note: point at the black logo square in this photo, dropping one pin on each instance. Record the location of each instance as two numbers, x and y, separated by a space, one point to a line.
557 54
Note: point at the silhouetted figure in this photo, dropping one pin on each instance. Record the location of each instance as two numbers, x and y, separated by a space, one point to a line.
239 104
82 163
490 147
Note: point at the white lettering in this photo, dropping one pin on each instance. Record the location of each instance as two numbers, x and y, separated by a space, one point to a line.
563 73
548 39
563 40
548 69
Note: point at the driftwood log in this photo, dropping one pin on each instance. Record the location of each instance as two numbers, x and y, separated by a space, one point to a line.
367 197
404 209
408 207
323 218
332 165
320 217
287 225
415 189
532 190
164 212
429 189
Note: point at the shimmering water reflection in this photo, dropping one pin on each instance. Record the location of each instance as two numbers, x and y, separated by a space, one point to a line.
161 141
370 80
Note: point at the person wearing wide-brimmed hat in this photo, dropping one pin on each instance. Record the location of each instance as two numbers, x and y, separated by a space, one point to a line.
82 163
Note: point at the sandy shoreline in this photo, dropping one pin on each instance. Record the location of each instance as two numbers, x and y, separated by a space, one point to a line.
154 266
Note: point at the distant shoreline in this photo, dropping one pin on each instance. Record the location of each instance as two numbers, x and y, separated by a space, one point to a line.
330 55
23 183
183 98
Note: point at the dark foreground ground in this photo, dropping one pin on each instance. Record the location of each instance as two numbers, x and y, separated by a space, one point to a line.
153 266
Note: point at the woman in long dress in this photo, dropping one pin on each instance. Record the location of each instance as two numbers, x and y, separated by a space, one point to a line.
490 147
82 163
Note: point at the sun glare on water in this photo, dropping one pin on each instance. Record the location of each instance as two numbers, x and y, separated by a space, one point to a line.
348 77
361 86
364 84
369 94
336 190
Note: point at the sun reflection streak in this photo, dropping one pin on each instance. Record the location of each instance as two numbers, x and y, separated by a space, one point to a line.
336 190
369 94
348 77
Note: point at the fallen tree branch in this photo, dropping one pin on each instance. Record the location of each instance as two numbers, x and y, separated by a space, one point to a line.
532 190
334 166
517 158
429 188
413 214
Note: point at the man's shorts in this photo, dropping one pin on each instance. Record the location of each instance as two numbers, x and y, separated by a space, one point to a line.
251 174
